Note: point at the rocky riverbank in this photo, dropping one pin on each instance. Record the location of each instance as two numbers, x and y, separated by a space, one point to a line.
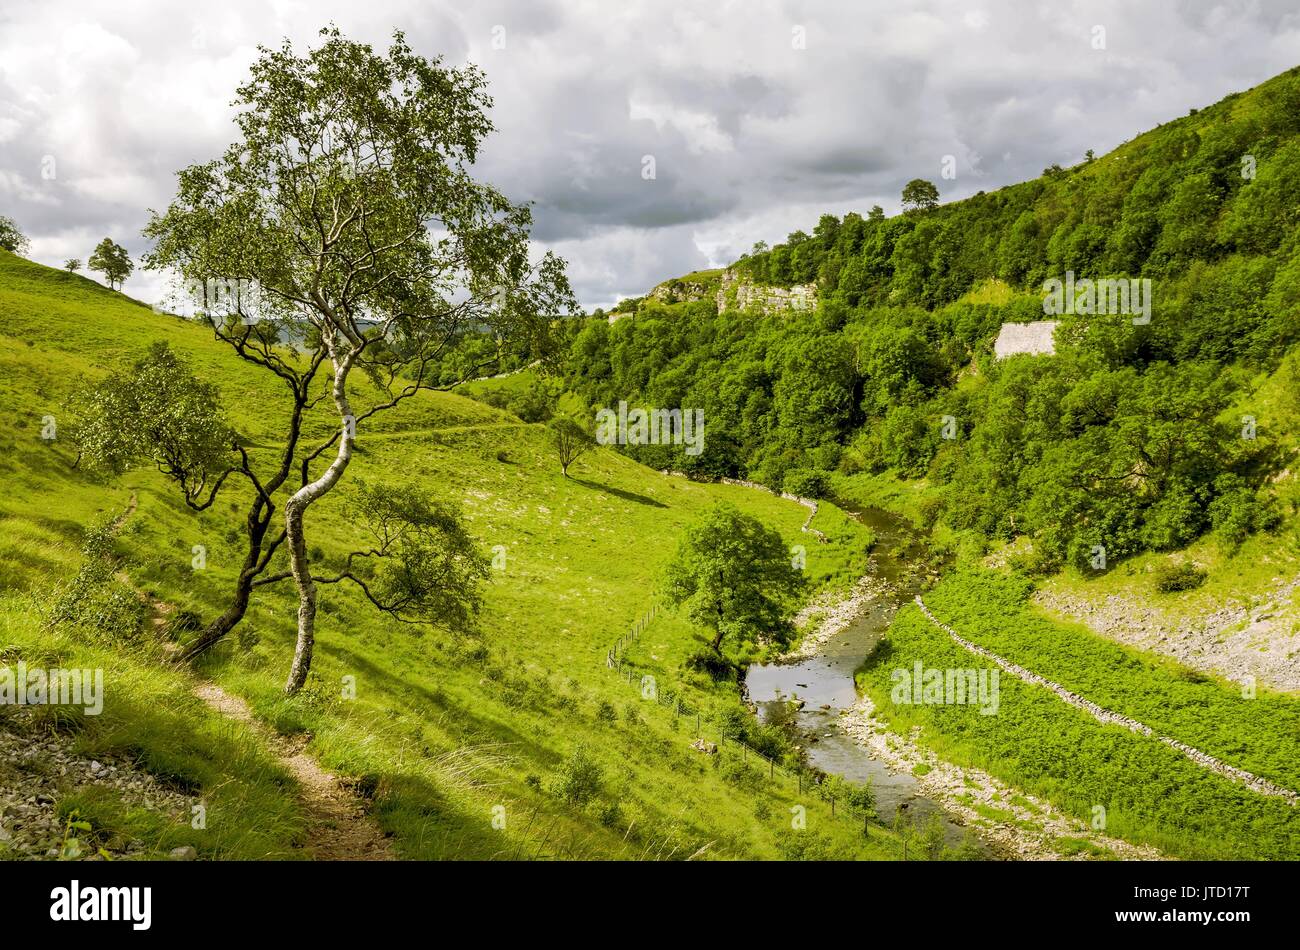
1013 824
828 614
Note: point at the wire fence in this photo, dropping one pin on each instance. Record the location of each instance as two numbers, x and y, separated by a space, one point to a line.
614 656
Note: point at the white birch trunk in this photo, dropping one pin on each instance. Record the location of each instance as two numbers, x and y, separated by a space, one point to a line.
295 510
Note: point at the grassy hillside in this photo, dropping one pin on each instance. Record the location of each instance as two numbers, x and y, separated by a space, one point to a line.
446 736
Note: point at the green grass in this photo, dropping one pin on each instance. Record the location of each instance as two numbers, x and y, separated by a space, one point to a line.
1260 734
445 735
1151 793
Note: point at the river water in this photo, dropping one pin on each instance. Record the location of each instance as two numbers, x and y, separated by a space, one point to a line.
825 682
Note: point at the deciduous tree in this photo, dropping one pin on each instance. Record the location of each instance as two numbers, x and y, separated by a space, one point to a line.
113 261
349 204
11 238
734 576
919 195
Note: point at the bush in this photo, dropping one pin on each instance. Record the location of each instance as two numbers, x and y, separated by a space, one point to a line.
806 846
605 712
95 598
742 775
806 483
732 721
578 779
610 813
1239 511
717 667
186 621
1179 577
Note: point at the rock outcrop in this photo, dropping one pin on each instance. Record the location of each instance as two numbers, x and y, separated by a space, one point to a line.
681 290
737 292
1035 339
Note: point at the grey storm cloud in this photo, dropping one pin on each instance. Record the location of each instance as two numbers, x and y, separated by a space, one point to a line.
759 115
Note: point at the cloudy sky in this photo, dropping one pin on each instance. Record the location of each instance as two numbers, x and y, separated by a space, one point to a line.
760 115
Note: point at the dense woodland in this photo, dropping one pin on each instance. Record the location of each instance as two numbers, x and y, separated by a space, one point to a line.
1129 437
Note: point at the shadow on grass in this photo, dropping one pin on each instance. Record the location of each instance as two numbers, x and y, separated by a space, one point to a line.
620 493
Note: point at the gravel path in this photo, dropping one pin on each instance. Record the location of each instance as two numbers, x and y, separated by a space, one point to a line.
338 827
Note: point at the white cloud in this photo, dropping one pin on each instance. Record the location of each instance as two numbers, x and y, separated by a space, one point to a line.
752 136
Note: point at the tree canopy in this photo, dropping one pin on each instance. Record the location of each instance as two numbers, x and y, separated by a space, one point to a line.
1129 438
11 237
111 260
734 577
920 195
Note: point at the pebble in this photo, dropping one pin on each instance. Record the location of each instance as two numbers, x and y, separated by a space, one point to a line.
39 768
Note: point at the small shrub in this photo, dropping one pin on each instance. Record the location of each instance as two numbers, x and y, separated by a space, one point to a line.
715 666
95 598
731 721
610 813
806 483
1179 577
605 712
805 846
741 774
578 779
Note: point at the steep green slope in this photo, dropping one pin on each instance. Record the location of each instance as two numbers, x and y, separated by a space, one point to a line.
449 738
1129 438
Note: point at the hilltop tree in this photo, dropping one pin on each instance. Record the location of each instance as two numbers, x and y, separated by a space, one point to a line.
920 195
348 203
72 265
11 238
734 576
111 260
570 440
